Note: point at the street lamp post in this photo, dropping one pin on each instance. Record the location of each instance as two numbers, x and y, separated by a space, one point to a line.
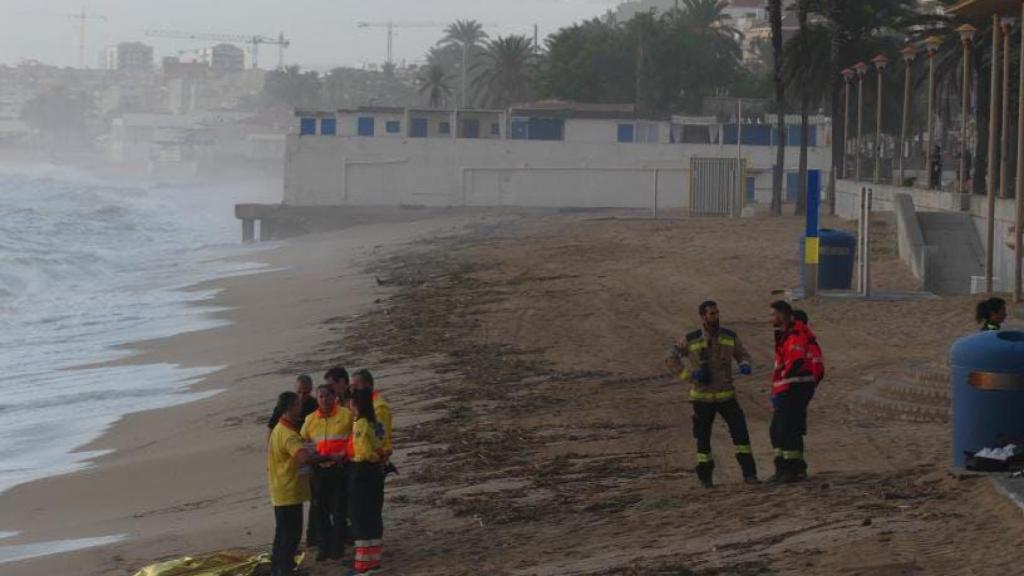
861 69
848 75
993 129
880 63
932 44
966 38
908 54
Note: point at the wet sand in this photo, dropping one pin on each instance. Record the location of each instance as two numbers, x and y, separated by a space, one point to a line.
535 433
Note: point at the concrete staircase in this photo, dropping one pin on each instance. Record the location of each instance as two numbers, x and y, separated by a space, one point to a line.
958 253
919 394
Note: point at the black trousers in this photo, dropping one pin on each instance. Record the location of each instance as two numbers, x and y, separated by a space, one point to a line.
287 535
704 417
366 500
789 423
332 508
704 414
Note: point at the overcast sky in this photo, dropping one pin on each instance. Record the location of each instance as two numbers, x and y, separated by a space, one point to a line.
323 32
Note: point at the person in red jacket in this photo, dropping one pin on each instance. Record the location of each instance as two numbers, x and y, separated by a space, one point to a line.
793 383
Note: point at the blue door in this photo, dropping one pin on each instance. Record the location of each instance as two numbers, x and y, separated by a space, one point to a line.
545 129
520 128
470 128
329 127
307 126
626 133
792 186
418 128
365 127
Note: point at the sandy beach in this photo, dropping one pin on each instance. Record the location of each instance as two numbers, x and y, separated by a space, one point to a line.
535 431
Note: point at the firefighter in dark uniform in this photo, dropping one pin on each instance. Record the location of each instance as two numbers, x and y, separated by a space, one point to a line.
704 359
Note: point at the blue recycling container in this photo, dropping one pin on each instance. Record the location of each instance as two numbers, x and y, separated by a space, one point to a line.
988 392
837 255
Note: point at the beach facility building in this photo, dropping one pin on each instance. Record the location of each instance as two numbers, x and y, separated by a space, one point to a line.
548 153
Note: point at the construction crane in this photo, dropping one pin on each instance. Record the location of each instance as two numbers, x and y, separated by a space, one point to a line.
391 32
82 18
254 41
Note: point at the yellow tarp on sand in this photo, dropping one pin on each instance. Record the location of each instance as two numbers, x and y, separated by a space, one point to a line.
217 564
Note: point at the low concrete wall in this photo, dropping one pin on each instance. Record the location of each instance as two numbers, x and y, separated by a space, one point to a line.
910 240
848 206
338 171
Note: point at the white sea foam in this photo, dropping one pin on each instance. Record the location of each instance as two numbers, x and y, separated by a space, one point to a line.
85 268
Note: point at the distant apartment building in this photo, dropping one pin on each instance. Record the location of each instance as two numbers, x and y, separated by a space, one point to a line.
129 57
224 58
743 12
748 16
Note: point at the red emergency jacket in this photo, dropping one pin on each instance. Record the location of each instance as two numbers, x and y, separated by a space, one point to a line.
792 366
814 355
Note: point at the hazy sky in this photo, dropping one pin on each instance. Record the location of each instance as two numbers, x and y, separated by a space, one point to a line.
323 32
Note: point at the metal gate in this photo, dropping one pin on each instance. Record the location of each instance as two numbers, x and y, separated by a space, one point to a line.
717 186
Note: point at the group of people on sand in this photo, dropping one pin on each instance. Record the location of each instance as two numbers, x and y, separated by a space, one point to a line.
331 449
704 359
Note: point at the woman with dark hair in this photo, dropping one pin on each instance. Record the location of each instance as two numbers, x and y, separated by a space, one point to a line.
289 488
990 314
366 482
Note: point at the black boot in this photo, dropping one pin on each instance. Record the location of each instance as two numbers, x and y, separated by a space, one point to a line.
705 473
800 469
780 470
749 468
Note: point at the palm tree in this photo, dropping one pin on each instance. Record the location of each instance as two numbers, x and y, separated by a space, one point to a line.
434 81
506 71
775 16
466 35
709 20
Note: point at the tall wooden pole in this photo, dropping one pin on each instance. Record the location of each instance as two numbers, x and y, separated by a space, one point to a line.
966 37
1019 220
848 75
861 69
1004 149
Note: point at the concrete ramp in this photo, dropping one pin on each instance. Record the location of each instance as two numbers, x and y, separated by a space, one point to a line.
958 252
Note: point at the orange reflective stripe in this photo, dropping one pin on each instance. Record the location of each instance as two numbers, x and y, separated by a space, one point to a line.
327 447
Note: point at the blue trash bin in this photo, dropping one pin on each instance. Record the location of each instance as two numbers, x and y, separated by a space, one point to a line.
837 255
988 392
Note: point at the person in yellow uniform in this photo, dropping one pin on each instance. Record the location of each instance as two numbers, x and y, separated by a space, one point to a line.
328 428
286 455
366 482
363 380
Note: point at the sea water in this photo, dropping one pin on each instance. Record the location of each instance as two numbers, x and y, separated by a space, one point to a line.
87 267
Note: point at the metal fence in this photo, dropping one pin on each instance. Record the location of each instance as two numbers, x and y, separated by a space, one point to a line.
717 186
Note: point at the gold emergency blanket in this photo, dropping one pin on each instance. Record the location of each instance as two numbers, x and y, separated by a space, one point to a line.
217 564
